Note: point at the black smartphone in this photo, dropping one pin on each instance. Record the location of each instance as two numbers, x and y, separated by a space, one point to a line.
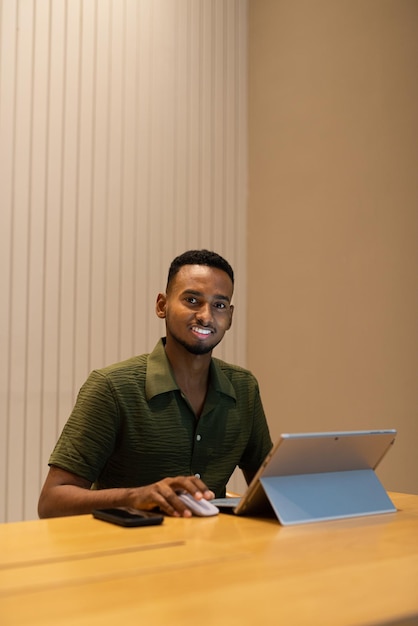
124 516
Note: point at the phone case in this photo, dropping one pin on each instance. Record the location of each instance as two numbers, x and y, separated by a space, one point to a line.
130 518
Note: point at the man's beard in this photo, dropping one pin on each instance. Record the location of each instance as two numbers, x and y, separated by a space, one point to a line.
197 348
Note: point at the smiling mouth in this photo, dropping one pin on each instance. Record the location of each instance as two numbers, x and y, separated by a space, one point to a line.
204 332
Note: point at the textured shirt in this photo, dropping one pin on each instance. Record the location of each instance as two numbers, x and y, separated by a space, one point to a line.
131 426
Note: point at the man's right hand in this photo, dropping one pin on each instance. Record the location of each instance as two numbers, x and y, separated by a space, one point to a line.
164 495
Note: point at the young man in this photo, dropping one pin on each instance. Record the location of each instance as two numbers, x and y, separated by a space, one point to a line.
174 420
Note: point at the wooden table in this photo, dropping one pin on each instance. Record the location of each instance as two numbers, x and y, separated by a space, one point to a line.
220 570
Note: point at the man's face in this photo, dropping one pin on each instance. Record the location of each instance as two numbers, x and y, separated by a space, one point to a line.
197 307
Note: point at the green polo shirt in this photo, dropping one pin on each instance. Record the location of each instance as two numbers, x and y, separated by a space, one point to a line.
131 426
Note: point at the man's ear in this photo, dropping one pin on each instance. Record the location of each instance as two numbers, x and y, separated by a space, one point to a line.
160 305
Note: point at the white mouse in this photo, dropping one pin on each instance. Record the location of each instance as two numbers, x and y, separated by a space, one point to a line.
201 507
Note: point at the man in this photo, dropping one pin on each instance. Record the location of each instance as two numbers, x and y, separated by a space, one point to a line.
175 420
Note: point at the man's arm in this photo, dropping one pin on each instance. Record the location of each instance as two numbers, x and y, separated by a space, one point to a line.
65 493
248 476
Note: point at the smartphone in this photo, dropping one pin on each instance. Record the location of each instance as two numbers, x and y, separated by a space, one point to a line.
124 516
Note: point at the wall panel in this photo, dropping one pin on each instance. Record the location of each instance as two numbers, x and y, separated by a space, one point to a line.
122 143
333 205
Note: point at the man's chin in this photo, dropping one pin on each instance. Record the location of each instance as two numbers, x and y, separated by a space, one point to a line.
197 348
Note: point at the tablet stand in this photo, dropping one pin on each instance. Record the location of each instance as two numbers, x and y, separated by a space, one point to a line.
303 498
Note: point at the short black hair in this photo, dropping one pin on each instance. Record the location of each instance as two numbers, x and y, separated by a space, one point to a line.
199 257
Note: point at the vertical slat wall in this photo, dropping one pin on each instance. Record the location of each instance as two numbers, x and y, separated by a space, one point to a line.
122 143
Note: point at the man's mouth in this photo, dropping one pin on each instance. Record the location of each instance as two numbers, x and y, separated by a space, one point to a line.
201 331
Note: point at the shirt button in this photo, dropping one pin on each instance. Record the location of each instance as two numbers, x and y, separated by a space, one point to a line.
198 437
197 475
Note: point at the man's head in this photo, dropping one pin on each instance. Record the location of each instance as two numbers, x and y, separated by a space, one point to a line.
197 304
199 257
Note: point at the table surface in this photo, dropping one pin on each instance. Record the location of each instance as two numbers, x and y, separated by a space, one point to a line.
223 570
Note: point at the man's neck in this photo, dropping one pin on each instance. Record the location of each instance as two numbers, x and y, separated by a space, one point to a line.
191 371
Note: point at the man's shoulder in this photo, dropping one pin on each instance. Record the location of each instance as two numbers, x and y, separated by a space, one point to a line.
134 364
233 371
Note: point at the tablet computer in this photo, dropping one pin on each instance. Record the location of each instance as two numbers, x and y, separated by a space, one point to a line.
319 476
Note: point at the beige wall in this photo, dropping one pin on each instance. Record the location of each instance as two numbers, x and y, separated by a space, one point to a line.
123 142
333 219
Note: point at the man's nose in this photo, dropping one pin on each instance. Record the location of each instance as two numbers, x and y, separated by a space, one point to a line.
205 314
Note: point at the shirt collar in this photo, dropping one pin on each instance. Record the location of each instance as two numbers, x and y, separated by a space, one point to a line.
159 377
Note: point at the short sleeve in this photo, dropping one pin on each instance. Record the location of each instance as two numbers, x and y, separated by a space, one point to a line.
259 443
89 436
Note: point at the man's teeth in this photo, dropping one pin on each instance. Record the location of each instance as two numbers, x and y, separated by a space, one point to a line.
202 331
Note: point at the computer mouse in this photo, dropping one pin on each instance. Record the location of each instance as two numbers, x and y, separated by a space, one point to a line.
202 508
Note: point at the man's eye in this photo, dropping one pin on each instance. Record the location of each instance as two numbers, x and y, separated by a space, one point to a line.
220 305
191 300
